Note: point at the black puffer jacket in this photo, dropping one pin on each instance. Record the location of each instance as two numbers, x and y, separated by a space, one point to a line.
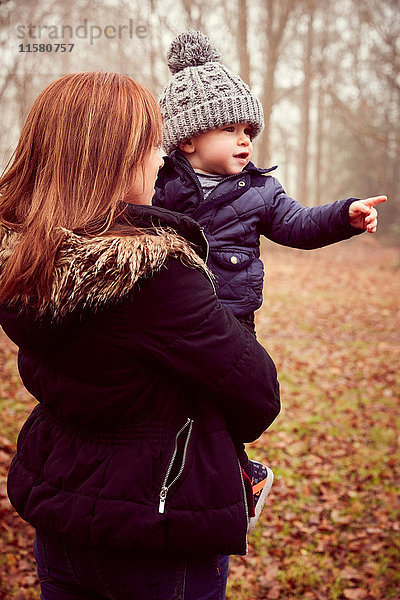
141 377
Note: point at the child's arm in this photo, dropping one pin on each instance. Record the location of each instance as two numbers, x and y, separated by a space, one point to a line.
363 215
289 223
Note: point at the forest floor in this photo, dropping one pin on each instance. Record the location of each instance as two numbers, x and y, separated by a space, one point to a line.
331 526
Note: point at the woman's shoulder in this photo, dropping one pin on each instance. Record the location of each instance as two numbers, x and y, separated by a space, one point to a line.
101 270
97 271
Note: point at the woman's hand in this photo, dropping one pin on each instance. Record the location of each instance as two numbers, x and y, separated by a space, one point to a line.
363 215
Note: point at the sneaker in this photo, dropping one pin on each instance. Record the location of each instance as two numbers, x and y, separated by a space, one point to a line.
261 482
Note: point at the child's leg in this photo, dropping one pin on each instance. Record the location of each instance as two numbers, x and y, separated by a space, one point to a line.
257 479
258 475
243 458
248 321
262 481
247 474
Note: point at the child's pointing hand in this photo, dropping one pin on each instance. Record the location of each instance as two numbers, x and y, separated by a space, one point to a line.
363 215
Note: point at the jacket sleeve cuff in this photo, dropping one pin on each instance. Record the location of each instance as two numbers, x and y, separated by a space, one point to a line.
346 219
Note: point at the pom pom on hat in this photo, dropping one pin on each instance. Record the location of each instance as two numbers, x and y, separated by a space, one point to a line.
191 49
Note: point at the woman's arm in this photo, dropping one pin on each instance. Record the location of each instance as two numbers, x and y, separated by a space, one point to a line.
179 322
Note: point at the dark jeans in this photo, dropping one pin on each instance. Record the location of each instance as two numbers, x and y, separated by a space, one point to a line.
76 573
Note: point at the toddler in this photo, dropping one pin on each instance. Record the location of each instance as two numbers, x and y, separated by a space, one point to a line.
210 121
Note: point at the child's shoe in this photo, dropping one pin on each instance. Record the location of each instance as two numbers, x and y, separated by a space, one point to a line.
261 482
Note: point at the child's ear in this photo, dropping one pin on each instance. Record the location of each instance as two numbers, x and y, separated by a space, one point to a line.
187 147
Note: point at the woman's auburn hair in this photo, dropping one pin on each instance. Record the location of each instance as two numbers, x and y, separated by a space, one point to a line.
83 141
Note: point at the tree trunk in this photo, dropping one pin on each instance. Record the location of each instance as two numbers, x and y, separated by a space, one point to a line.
242 41
319 144
277 17
302 184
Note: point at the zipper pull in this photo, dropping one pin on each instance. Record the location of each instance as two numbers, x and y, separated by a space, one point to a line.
206 243
163 495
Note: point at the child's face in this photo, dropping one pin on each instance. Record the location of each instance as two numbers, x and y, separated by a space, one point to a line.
222 151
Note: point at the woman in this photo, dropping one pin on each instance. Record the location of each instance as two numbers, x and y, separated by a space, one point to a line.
126 466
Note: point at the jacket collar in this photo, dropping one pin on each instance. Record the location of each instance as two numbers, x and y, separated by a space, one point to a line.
178 158
90 273
156 217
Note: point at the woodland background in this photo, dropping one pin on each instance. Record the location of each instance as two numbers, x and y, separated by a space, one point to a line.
328 75
330 529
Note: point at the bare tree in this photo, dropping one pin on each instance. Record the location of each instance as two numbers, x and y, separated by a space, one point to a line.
194 10
244 58
303 162
320 130
276 19
335 64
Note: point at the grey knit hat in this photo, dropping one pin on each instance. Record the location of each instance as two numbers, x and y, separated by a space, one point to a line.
203 94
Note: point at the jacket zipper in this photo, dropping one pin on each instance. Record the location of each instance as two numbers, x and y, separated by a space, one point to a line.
190 171
245 505
207 243
192 175
206 259
166 486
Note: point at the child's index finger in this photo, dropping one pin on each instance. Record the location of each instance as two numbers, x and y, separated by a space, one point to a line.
375 200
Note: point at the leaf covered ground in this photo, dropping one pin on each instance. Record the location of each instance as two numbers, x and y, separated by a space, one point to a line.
331 528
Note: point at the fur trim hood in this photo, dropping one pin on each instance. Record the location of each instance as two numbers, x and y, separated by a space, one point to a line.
93 272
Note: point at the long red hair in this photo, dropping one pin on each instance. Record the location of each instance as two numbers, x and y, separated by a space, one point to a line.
82 143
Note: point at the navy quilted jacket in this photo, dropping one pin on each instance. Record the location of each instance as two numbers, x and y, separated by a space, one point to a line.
234 216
